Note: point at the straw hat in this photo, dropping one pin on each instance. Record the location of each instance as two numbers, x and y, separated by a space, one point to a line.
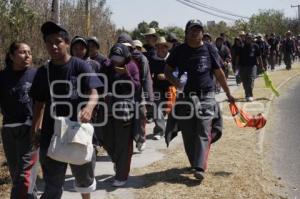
138 43
242 33
288 33
162 41
150 31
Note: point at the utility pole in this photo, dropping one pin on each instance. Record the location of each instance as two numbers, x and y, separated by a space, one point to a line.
297 6
55 11
88 17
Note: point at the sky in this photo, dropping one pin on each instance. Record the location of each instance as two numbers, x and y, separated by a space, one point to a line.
128 13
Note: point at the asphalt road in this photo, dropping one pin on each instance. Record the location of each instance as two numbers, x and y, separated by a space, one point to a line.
284 136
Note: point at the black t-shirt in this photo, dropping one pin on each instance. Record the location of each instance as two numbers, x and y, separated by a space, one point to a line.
100 59
224 52
94 64
273 42
16 105
157 66
288 46
70 72
199 63
150 51
248 55
263 46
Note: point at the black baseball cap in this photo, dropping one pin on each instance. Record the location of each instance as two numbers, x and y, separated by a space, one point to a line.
51 27
193 23
119 52
125 39
94 40
80 39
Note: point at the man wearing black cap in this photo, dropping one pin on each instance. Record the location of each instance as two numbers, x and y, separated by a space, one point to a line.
225 39
200 61
225 54
248 58
288 49
94 47
273 43
264 50
123 81
62 67
79 48
144 96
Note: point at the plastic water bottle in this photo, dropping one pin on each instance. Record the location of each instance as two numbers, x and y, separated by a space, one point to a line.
175 74
182 80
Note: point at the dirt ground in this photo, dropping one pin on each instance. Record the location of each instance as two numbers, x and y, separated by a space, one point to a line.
236 168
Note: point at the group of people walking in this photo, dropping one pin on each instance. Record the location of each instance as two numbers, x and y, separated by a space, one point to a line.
135 85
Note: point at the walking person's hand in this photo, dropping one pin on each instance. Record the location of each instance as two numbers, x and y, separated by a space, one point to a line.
35 138
230 98
85 115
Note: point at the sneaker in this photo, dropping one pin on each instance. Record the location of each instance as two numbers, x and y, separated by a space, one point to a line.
199 175
249 99
156 137
141 146
149 121
118 183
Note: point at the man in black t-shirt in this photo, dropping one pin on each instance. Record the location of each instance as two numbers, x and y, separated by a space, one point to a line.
264 50
198 61
225 40
248 58
273 43
288 48
62 67
225 54
94 47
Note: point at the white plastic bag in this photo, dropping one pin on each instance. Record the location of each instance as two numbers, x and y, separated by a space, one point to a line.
72 142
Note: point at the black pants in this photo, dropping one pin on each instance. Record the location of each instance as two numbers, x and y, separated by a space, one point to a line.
248 75
22 161
196 131
54 175
288 61
118 142
272 59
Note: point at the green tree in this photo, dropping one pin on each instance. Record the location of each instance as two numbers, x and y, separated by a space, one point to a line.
268 21
154 24
179 32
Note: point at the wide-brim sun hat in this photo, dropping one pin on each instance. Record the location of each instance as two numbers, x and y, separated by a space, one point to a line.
150 31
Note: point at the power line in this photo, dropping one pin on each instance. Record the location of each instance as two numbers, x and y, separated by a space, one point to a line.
205 11
215 9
